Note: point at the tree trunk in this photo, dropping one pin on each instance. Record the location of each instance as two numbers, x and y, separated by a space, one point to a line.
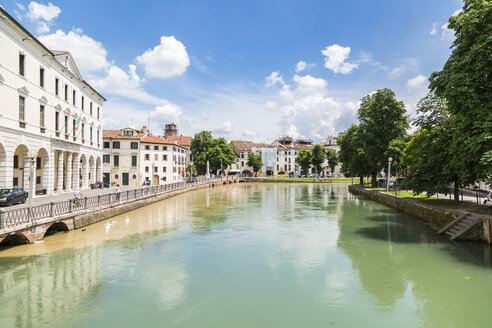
374 180
456 192
361 180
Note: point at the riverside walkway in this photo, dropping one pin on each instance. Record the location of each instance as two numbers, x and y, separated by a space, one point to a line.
27 225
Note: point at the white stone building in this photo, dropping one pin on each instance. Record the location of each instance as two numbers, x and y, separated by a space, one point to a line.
45 106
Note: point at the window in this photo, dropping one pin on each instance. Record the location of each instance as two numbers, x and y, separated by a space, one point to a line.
15 181
41 116
97 112
41 77
116 160
98 136
134 161
147 147
106 159
164 169
128 133
73 97
22 103
90 133
164 148
156 157
57 121
66 92
66 124
38 163
74 128
147 157
82 100
164 157
106 144
156 147
38 180
242 163
57 83
146 169
91 108
116 145
21 64
134 145
16 161
83 131
156 169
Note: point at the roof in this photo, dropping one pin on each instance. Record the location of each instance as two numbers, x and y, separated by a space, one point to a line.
59 52
293 145
148 138
118 134
180 140
238 146
49 52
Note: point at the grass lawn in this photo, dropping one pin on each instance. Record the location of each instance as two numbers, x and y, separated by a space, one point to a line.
451 204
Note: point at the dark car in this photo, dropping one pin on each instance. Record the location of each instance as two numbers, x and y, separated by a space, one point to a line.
9 197
97 185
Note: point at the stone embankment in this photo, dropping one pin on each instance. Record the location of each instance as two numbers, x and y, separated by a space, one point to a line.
440 218
24 226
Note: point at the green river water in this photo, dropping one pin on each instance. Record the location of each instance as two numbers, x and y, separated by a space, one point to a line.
250 255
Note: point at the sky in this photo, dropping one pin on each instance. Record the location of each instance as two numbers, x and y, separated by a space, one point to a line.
250 70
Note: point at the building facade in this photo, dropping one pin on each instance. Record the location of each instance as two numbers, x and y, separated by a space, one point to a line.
47 107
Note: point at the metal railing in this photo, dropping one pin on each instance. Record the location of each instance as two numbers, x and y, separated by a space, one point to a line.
23 216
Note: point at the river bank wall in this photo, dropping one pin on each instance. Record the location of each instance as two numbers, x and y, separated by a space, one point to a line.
437 217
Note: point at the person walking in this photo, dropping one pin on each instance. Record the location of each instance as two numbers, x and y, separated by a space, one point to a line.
117 192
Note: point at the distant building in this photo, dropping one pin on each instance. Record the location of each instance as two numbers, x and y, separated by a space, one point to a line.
170 130
171 135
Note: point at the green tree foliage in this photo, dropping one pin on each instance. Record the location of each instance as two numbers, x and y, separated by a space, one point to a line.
465 82
217 151
352 155
332 158
255 161
396 150
318 157
429 153
382 118
304 160
220 154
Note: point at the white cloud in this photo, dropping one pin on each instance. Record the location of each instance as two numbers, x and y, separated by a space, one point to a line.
38 11
224 128
42 28
89 54
248 133
335 59
273 79
302 66
166 113
310 85
19 5
167 59
416 82
397 71
434 29
446 33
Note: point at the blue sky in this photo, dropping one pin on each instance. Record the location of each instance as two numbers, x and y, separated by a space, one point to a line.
250 70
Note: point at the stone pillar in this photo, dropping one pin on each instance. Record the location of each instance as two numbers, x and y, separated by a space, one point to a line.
85 174
26 172
75 172
68 178
93 171
98 171
7 172
59 175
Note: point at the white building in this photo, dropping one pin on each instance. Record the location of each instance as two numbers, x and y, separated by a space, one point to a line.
45 106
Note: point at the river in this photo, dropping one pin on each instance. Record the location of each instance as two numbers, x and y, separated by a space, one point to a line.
250 255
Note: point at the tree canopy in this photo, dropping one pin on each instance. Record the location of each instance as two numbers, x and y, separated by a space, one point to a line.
318 157
352 155
304 159
332 158
217 151
255 161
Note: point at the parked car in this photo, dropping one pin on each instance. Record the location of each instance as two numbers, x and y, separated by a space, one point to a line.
9 197
191 180
97 185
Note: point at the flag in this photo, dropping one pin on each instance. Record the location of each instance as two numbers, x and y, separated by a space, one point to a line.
78 120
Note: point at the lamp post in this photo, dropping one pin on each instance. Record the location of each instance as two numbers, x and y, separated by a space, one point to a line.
32 157
389 174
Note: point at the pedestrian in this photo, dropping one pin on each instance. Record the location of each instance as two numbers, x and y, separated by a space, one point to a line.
117 192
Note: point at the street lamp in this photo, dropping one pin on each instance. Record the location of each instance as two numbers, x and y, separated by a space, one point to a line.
32 157
389 173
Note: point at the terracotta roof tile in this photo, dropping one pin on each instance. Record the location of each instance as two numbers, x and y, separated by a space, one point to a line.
180 140
153 139
118 134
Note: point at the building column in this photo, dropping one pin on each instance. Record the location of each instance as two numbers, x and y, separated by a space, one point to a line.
75 172
7 172
68 178
85 174
59 175
93 171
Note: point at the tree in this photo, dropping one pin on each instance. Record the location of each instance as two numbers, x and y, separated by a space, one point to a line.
254 160
191 169
465 82
200 145
430 152
382 119
395 150
318 157
304 160
220 154
332 158
352 155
